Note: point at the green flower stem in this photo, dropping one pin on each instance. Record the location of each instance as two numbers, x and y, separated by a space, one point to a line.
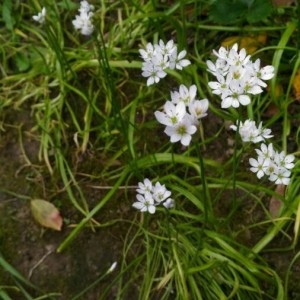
286 119
278 54
64 171
278 226
208 210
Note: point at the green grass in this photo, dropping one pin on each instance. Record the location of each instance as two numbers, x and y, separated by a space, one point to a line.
87 98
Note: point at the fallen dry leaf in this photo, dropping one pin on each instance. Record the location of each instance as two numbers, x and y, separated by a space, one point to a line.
46 214
250 43
275 203
296 86
273 109
283 2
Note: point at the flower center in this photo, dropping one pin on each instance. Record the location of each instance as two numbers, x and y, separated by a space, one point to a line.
181 130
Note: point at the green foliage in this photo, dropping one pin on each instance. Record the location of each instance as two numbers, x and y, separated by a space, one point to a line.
22 62
239 11
8 14
67 4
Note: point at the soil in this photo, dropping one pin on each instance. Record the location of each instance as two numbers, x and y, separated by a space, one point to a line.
31 249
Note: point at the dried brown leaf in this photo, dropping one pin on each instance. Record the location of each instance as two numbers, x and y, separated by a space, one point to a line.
296 85
283 2
250 43
275 204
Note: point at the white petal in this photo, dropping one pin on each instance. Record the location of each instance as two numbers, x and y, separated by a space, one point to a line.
185 140
181 55
151 209
253 162
183 63
150 81
227 102
138 205
244 99
161 118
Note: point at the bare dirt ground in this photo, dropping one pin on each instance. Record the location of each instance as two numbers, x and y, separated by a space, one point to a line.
31 249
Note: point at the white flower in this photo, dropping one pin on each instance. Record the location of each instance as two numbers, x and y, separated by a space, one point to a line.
220 87
265 73
182 131
169 203
212 68
152 71
160 193
160 61
198 109
235 96
145 203
177 61
236 73
258 166
235 58
250 84
280 176
85 7
83 21
221 65
172 114
284 161
41 16
250 133
264 132
222 54
165 49
185 94
270 167
144 187
265 151
148 53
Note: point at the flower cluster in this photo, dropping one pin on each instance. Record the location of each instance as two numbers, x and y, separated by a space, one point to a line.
181 115
159 57
237 76
83 21
273 164
250 133
149 196
268 162
41 16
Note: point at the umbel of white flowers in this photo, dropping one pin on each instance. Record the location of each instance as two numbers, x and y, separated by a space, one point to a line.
149 196
83 21
250 133
237 76
277 166
160 57
182 114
